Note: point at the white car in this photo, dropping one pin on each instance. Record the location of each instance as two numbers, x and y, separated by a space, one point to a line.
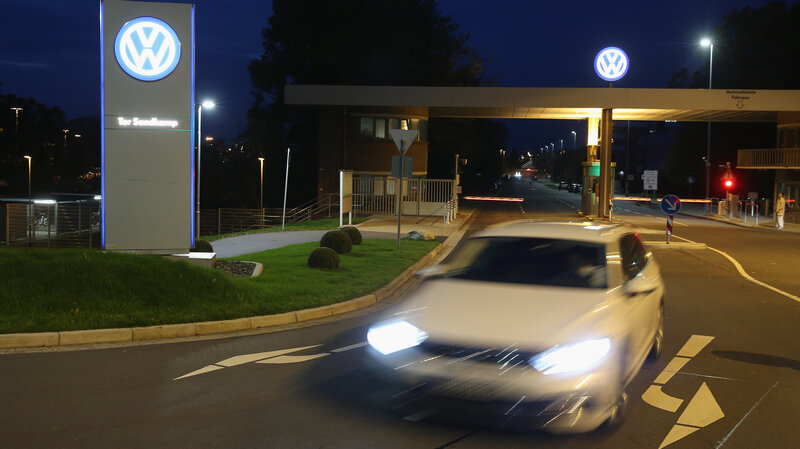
545 323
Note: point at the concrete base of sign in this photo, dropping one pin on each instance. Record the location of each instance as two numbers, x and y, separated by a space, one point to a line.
203 259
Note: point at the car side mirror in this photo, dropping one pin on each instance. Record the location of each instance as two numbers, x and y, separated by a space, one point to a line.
431 271
639 284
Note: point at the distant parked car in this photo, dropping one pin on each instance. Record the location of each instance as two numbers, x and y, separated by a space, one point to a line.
563 185
575 188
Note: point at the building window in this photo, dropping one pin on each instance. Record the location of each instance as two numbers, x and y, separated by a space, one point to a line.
366 127
380 128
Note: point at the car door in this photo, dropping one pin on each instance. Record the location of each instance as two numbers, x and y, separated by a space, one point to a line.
643 306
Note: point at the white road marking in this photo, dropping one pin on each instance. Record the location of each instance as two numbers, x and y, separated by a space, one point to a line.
694 345
203 370
702 409
658 399
284 359
247 358
722 442
673 367
676 434
747 276
347 348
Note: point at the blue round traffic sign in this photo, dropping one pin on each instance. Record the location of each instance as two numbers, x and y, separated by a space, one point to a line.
670 204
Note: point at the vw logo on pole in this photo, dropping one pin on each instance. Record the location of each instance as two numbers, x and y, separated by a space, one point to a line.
147 48
611 63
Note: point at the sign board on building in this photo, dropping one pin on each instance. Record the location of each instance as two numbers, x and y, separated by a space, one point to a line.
650 178
147 113
611 63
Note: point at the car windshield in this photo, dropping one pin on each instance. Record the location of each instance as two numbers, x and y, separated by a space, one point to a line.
538 261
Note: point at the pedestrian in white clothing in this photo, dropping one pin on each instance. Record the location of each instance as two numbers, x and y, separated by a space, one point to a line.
780 210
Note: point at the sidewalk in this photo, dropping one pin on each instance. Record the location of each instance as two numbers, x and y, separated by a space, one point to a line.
378 226
766 223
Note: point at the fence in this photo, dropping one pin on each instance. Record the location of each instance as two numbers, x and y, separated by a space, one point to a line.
65 224
420 197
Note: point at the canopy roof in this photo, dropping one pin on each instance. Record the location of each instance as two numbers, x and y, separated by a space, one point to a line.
719 105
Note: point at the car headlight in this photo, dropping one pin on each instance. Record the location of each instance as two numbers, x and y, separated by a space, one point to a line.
395 336
573 358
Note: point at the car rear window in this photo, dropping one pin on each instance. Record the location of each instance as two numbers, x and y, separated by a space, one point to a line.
537 261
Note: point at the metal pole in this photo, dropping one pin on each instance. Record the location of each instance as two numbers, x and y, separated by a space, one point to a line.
199 157
708 140
605 164
400 189
261 192
285 188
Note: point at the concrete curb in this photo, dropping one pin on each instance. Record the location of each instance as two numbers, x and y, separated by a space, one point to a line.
168 331
676 245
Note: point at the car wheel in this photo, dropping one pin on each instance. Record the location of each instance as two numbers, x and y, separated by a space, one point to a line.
658 340
617 414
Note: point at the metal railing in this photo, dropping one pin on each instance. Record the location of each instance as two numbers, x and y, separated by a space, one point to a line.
74 224
769 158
421 197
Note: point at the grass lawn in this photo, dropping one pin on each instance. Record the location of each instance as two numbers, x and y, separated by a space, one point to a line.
311 225
70 289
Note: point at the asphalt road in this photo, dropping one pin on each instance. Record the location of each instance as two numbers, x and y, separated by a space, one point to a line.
739 389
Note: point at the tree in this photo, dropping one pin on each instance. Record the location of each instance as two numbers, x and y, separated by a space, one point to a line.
349 42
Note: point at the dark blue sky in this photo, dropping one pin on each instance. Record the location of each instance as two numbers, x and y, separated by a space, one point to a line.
49 49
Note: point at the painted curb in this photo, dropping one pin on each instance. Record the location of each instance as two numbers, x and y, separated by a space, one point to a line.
257 322
164 331
167 331
312 314
95 336
218 327
675 245
31 340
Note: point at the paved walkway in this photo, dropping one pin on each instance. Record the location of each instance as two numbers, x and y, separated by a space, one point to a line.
377 226
766 223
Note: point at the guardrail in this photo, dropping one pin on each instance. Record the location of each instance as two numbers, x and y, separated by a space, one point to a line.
768 158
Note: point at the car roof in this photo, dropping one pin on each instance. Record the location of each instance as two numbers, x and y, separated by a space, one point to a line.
563 230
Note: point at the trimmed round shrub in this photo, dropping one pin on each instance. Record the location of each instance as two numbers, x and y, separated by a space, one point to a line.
202 246
354 233
338 241
323 257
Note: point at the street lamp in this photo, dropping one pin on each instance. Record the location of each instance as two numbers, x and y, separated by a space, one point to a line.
65 137
16 128
209 105
707 43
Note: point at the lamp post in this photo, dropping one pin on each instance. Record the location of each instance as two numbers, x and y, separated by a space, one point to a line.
16 128
261 191
209 105
65 137
30 201
707 43
572 169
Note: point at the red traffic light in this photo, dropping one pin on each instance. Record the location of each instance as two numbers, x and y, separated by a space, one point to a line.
728 183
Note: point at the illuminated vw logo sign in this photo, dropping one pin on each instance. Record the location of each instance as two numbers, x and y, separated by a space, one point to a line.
147 48
611 63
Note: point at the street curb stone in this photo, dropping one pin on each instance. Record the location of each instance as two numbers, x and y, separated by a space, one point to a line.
353 304
273 320
95 336
164 331
217 327
312 314
28 340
